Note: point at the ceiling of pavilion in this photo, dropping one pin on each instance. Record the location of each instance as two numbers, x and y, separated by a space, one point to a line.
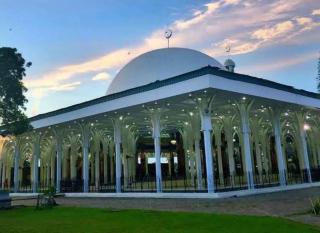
177 113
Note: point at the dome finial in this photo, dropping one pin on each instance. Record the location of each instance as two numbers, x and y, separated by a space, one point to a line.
229 64
168 34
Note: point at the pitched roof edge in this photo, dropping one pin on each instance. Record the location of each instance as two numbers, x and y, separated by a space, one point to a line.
176 79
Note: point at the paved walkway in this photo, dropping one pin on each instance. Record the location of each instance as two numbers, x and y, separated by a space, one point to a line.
293 204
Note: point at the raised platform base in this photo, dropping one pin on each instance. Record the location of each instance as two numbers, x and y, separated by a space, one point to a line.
5 200
181 195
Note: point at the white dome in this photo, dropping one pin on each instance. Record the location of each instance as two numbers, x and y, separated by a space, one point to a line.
159 64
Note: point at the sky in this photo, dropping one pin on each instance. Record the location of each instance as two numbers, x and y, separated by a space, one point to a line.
77 46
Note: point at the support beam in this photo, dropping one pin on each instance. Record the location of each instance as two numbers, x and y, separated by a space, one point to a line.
85 134
36 156
73 171
278 145
155 119
112 161
117 141
228 130
64 164
105 162
125 156
304 150
16 164
196 133
59 137
217 137
52 168
255 139
97 169
244 114
198 161
206 127
3 178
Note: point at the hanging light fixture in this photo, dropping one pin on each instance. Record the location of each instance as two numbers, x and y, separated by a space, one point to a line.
173 141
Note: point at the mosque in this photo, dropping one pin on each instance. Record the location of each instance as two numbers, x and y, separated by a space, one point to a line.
172 120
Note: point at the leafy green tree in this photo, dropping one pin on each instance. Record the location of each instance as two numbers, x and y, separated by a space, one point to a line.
12 90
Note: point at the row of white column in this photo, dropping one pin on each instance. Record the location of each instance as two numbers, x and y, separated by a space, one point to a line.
206 128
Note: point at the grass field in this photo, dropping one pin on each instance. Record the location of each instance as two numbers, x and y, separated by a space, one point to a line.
67 219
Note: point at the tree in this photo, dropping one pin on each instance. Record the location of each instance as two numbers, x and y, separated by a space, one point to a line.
12 90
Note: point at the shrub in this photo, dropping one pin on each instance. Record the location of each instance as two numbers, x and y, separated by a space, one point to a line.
316 207
46 200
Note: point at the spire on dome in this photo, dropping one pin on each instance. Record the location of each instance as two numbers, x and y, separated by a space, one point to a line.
229 65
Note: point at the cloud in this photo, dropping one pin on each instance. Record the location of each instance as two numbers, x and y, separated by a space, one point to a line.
316 12
101 76
65 87
304 20
274 31
279 64
198 17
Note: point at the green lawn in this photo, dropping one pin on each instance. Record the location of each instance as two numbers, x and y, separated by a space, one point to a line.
63 219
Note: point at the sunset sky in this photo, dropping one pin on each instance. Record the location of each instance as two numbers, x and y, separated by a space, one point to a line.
77 47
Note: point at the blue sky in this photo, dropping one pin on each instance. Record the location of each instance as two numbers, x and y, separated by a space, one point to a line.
77 47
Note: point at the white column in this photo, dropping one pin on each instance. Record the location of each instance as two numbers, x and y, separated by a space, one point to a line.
52 169
85 130
3 175
217 134
279 151
97 168
259 159
198 160
8 175
112 161
16 166
105 162
264 139
64 165
73 171
243 157
35 170
85 168
155 118
117 141
59 157
48 173
192 168
125 159
206 127
255 143
284 144
227 123
244 113
304 149
91 169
